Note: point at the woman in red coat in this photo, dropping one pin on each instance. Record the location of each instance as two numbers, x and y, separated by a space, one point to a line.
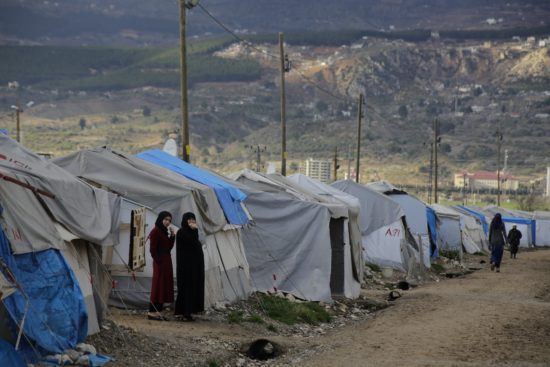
161 241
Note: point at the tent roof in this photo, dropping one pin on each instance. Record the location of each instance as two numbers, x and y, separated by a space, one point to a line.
229 196
147 184
377 210
88 212
445 211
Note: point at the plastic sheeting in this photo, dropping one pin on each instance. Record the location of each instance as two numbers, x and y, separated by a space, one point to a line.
9 356
87 212
56 317
147 184
230 197
543 228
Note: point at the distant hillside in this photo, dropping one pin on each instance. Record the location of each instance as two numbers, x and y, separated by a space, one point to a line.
139 22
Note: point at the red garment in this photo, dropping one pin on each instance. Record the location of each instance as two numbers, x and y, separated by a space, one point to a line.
162 287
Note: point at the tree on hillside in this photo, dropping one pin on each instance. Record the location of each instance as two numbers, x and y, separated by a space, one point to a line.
82 123
146 111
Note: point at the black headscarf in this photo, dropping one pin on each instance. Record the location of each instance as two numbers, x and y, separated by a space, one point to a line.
160 218
185 218
497 222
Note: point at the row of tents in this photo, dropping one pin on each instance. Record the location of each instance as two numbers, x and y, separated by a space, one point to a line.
73 236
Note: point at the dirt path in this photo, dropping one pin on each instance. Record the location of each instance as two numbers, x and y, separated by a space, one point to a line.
485 319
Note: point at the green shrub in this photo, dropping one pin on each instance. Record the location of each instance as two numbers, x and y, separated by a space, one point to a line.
290 313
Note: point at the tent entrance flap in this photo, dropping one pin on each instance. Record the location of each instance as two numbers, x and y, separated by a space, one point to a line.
337 273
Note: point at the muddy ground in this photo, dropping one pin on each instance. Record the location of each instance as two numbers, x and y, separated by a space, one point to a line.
479 319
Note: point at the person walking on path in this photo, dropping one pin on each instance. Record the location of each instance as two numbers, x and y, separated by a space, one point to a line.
190 269
162 287
497 240
513 239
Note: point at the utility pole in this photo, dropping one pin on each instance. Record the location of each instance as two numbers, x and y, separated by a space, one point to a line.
349 163
18 111
430 179
285 68
499 144
464 188
359 117
435 146
335 163
186 148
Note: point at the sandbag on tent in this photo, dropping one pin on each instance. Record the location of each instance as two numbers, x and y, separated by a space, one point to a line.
416 214
49 301
150 189
382 228
543 227
87 212
229 197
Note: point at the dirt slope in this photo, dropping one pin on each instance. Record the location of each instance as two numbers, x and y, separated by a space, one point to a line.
486 319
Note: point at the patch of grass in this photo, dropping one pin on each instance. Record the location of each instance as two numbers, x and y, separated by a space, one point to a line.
254 319
450 254
289 313
272 327
374 268
235 317
479 253
389 285
212 363
438 269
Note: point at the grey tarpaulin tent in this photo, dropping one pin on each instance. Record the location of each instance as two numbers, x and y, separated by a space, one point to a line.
144 184
342 279
53 217
287 245
449 232
385 237
415 212
542 219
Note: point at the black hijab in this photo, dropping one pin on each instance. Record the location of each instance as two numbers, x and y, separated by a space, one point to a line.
160 218
187 234
497 222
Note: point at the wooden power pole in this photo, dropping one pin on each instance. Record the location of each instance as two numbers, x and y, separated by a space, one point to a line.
335 165
435 148
359 117
499 145
186 148
18 122
284 69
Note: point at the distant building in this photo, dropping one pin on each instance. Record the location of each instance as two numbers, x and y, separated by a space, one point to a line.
316 169
485 180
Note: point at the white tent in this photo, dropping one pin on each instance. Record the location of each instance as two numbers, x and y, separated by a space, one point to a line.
415 213
449 232
473 237
353 249
542 219
153 189
316 226
384 235
522 220
50 222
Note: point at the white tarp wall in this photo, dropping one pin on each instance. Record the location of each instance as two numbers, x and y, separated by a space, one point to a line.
352 232
226 269
415 212
382 231
543 228
449 234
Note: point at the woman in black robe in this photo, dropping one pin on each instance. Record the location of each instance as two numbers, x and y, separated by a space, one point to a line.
190 269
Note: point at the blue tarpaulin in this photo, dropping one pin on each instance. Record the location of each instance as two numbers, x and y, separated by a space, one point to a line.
530 222
430 215
229 197
55 318
9 356
480 216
